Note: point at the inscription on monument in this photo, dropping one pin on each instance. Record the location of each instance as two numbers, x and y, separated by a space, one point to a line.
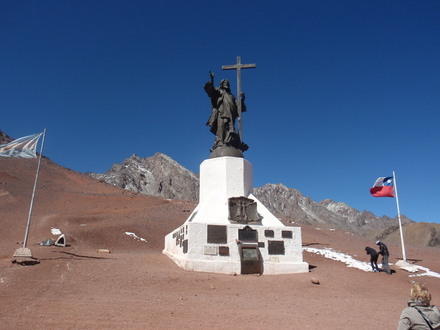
211 250
217 234
269 233
251 262
179 236
185 246
247 234
276 247
223 250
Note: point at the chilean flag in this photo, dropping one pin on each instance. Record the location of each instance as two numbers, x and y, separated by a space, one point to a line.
383 187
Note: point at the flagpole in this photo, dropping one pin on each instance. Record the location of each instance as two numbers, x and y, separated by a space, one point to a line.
33 192
398 214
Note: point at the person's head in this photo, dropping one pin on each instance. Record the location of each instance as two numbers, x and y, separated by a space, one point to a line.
420 292
378 243
224 84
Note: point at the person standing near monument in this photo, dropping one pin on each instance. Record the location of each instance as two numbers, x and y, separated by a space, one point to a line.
419 314
223 115
373 258
383 250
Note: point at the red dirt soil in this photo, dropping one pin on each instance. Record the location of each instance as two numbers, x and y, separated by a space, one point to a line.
135 286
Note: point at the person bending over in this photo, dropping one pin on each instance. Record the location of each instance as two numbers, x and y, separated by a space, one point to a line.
373 258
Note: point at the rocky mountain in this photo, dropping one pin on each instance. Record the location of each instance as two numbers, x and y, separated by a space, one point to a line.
162 176
291 205
4 138
157 176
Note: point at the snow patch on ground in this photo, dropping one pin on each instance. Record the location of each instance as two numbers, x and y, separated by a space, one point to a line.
365 266
427 272
135 236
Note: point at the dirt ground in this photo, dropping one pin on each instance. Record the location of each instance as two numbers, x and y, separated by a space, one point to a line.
135 286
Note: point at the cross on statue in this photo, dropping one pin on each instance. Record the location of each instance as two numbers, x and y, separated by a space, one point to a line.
238 67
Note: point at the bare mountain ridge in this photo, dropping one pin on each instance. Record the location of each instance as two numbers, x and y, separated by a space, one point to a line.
158 175
290 204
161 176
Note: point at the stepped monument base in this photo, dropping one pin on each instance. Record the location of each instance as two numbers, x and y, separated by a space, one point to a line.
230 231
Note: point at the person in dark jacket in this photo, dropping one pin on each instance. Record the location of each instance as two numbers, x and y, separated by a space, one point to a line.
420 314
373 258
383 250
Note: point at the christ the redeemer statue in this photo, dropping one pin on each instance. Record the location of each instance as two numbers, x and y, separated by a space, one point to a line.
225 110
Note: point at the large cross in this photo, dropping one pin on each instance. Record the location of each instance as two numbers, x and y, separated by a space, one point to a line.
238 67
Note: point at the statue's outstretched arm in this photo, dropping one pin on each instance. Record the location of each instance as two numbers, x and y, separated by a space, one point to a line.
209 86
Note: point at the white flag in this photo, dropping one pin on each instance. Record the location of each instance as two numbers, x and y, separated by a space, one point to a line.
24 147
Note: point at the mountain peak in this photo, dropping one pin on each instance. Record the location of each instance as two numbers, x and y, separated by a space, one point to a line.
158 175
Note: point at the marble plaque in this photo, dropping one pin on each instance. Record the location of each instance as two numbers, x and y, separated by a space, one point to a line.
211 250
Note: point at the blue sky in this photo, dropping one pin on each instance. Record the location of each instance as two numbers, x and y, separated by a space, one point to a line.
344 91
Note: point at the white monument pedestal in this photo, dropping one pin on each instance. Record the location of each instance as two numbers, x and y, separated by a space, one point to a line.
209 242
